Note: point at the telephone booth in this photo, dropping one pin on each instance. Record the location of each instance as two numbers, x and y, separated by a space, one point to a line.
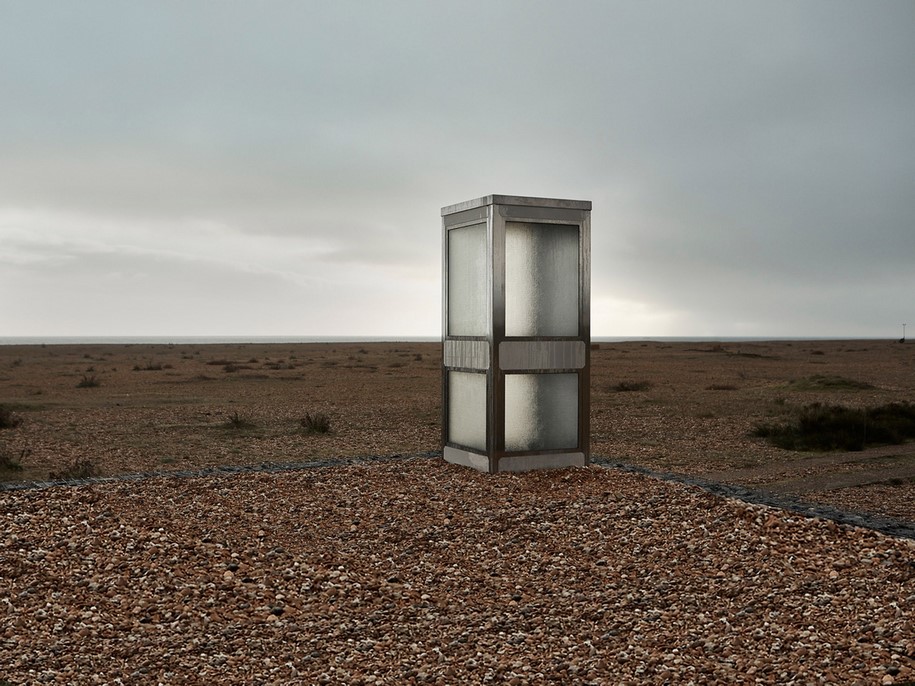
516 333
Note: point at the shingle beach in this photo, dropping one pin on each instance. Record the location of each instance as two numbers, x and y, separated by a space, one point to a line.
417 571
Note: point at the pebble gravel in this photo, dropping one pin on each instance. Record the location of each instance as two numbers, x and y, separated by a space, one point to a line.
421 572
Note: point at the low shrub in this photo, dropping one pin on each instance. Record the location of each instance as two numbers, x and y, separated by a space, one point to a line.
631 386
8 463
89 382
276 366
834 427
78 469
828 382
239 423
317 423
8 418
232 368
721 387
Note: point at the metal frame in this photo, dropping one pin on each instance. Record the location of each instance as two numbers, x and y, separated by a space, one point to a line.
545 351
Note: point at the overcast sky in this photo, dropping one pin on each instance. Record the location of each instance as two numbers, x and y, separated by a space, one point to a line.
278 168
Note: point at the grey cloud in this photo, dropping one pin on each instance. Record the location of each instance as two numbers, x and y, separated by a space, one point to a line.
766 146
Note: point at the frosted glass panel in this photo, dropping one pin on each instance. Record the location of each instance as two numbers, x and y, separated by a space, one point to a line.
541 280
467 409
541 411
467 302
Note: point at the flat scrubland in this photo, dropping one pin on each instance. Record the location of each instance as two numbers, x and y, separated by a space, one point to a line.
414 571
683 407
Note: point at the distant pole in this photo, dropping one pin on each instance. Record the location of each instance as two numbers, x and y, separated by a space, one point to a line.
903 333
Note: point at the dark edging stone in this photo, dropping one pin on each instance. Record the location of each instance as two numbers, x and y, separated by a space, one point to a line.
885 525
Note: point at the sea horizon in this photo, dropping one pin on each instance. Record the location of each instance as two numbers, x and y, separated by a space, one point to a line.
242 340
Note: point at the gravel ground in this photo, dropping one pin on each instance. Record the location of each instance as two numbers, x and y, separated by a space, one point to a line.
423 572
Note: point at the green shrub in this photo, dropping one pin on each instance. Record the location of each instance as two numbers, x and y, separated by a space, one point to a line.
834 427
317 423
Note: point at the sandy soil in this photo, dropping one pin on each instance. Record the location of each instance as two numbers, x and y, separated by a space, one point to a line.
167 407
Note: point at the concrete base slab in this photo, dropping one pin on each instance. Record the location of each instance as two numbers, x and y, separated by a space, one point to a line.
466 458
524 463
515 463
